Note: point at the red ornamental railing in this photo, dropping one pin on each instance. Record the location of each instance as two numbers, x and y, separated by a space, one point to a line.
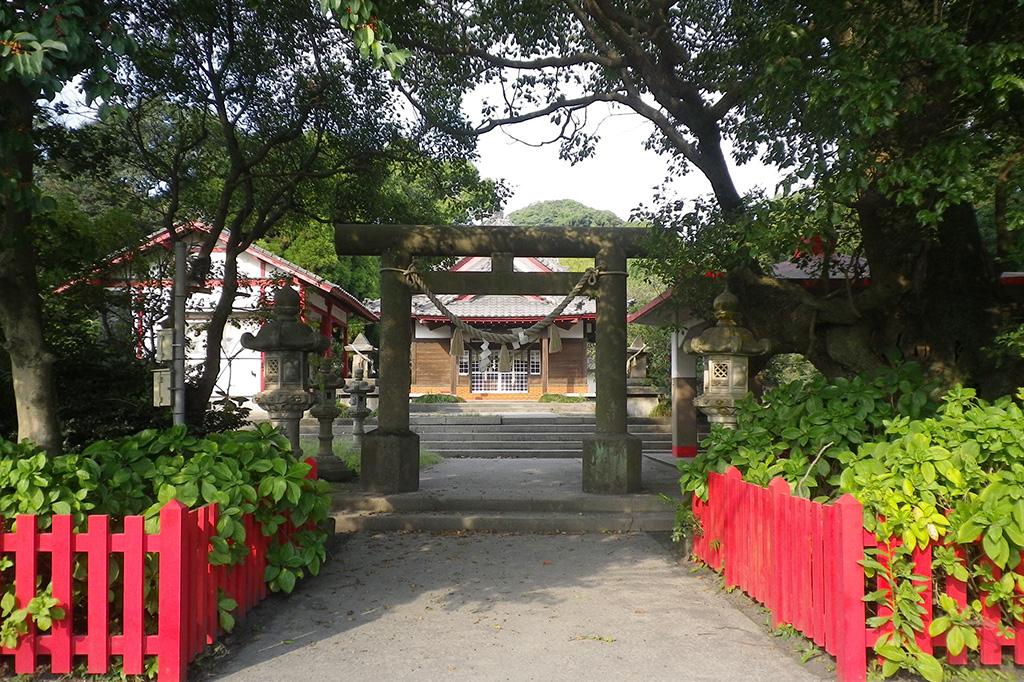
801 560
188 588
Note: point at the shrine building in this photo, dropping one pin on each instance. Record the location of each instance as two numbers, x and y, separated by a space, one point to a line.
547 365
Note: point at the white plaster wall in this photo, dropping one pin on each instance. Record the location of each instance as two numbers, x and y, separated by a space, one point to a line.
573 332
425 332
240 367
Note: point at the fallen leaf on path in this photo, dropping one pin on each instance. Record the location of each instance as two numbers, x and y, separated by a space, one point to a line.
604 639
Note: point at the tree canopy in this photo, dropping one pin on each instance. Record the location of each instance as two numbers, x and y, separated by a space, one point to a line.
893 125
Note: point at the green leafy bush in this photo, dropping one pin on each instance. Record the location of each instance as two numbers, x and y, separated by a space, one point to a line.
429 398
927 476
561 398
801 430
243 472
955 478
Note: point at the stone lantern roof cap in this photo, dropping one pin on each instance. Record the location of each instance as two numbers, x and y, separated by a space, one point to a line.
286 332
727 337
360 345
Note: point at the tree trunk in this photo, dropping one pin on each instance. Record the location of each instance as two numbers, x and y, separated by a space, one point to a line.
199 395
20 305
933 298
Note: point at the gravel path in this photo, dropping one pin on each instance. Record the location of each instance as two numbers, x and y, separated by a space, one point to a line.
505 607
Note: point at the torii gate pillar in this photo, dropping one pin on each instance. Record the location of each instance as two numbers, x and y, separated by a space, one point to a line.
612 457
390 454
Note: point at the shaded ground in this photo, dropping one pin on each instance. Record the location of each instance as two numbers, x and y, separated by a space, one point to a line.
505 607
525 478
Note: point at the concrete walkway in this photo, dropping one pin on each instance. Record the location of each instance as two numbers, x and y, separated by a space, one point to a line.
504 607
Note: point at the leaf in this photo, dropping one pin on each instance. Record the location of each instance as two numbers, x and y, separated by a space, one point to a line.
227 621
968 532
278 489
955 640
286 580
939 625
7 603
929 667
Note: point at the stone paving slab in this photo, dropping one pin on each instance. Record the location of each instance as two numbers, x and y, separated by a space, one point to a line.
505 607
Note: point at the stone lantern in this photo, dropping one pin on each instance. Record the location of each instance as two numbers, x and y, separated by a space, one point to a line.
362 356
726 348
286 344
641 396
329 467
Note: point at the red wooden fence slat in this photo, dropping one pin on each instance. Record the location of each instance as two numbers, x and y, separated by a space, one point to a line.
1018 640
790 578
885 551
851 656
761 538
803 556
60 644
199 552
25 547
212 573
251 534
922 559
990 650
133 577
779 491
819 552
831 539
173 618
957 590
97 646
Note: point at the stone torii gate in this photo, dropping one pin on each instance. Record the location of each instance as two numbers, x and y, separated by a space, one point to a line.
390 454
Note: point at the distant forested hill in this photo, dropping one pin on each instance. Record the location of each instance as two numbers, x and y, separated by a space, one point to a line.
564 212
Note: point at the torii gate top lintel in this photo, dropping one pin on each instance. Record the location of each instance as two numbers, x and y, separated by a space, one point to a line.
484 240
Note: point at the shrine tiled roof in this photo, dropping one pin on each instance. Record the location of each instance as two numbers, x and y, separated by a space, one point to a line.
495 307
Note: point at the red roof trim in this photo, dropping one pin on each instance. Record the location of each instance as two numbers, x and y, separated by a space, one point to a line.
1012 279
505 320
347 300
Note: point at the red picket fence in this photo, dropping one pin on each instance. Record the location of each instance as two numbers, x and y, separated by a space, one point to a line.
187 618
800 559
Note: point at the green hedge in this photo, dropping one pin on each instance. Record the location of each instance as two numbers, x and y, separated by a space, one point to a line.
429 398
561 398
242 471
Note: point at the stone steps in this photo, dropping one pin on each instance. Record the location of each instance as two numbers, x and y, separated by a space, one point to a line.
495 441
511 496
424 501
515 436
496 407
504 522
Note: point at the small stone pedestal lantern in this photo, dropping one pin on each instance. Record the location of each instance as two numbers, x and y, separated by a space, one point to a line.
328 466
726 348
363 353
357 390
641 397
286 343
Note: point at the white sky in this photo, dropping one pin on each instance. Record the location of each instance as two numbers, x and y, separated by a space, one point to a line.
620 176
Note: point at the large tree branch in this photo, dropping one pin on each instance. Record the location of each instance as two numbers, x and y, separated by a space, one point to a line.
558 105
576 59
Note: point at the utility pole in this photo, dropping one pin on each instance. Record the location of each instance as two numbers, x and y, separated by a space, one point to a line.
178 345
